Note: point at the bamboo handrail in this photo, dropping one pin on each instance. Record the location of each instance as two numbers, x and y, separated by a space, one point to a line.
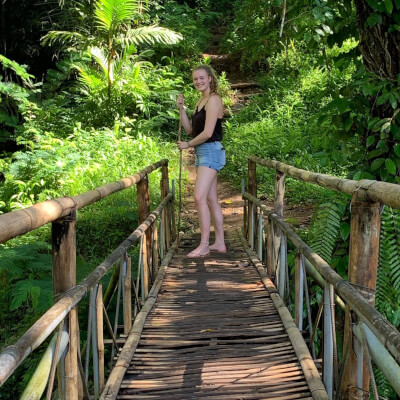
382 192
310 371
12 356
18 222
385 332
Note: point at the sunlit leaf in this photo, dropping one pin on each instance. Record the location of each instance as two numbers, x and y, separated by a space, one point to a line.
390 166
377 163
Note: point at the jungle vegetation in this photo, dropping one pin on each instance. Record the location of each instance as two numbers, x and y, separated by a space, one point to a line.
87 96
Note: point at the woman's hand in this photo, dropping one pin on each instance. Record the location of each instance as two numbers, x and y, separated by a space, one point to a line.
180 102
183 145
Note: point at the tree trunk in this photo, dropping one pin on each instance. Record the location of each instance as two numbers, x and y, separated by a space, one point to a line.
380 48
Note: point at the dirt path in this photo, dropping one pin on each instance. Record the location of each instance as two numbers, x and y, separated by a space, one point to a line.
230 199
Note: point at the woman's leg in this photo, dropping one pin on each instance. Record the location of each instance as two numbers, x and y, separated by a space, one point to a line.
204 179
217 218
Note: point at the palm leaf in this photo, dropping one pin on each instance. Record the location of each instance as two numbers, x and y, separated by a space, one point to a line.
62 37
101 59
150 35
111 13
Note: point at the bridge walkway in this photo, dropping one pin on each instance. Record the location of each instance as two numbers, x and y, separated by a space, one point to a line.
214 333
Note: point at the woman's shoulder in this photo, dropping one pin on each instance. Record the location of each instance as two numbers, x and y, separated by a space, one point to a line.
214 100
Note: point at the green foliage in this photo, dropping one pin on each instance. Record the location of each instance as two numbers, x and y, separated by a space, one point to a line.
193 22
15 99
388 284
325 228
282 124
387 298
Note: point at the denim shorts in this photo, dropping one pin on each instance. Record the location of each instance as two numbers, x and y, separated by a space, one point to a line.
211 155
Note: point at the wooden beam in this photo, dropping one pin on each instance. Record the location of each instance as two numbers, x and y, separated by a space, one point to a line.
64 278
363 266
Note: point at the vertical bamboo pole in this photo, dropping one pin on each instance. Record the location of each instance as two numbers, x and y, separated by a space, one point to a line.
165 217
128 297
143 195
95 347
298 293
100 337
328 343
244 209
252 188
145 269
64 277
173 218
278 207
155 259
363 265
270 249
252 225
260 236
282 268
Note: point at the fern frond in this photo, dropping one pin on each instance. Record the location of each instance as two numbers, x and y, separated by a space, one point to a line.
388 280
324 229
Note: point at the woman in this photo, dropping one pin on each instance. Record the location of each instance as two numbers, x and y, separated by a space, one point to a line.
206 130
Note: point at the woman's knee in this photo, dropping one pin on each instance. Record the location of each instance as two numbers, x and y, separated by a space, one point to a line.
200 198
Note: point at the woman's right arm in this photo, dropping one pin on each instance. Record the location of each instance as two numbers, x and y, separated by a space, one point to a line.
186 123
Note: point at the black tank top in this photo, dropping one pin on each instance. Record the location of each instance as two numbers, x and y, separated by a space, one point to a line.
199 122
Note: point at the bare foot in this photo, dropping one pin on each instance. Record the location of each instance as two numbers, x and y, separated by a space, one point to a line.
201 251
219 248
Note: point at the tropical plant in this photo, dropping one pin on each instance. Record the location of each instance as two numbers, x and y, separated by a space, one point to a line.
16 99
116 35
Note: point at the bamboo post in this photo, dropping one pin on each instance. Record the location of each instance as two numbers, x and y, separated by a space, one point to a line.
165 218
363 265
93 305
270 249
155 258
298 292
244 209
161 236
143 195
128 297
64 278
282 268
252 188
278 206
328 342
111 287
144 269
100 336
173 218
260 235
252 225
38 381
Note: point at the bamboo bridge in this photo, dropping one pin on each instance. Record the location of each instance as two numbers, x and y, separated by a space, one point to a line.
218 327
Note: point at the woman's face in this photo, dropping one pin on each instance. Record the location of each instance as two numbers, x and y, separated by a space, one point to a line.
201 80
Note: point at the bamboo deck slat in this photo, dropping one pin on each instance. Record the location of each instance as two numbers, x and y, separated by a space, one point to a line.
214 333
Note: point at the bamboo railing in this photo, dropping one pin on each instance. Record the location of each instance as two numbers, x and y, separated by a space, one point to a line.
155 233
367 334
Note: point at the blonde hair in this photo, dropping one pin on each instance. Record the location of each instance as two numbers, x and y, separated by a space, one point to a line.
210 72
